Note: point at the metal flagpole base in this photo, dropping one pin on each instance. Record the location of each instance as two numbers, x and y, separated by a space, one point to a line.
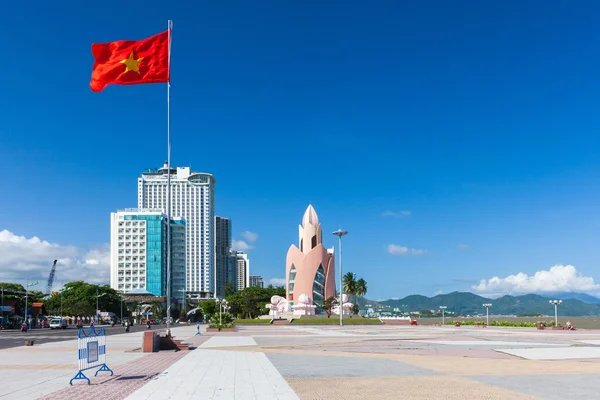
104 368
79 375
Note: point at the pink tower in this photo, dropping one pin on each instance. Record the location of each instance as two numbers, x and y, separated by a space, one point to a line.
310 269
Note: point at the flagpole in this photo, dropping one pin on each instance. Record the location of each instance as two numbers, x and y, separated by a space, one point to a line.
169 27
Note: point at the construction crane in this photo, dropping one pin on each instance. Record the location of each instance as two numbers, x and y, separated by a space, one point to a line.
51 279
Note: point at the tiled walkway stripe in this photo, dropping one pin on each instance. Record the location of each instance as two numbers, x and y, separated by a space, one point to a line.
127 379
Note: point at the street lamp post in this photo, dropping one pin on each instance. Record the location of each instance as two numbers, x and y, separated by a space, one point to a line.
487 313
443 308
556 303
97 297
222 303
122 300
27 285
339 233
184 301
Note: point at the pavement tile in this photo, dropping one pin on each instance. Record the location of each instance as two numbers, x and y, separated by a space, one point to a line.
548 387
406 388
325 366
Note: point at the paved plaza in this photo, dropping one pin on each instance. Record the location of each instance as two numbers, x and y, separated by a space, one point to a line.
327 362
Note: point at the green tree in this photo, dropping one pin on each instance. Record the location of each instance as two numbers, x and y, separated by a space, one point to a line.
79 299
328 304
349 281
209 308
157 309
251 302
361 287
229 289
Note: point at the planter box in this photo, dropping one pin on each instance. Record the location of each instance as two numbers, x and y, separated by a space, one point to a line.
232 329
457 324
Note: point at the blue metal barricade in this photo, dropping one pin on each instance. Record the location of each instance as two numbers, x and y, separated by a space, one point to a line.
91 352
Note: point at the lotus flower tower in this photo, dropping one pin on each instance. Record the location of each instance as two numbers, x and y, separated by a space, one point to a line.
310 268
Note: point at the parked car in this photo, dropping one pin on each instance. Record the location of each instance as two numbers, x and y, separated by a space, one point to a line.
58 323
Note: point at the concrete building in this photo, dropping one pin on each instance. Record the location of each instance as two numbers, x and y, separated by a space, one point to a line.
256 281
178 245
242 270
222 255
310 269
192 198
138 252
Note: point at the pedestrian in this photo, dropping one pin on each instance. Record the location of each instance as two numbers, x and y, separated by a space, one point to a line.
126 325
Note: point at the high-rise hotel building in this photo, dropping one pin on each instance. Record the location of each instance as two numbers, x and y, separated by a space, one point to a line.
242 264
192 198
222 255
138 252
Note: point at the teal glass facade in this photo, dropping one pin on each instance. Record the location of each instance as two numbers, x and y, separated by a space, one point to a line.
156 252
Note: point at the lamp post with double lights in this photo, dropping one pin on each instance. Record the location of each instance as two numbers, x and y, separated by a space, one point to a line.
339 233
556 304
222 305
443 308
487 313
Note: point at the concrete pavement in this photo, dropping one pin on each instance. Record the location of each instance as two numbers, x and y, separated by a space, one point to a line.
36 371
324 362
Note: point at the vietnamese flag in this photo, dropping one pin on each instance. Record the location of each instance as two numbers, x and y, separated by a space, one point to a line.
131 62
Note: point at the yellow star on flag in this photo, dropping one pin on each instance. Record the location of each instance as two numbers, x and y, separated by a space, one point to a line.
131 64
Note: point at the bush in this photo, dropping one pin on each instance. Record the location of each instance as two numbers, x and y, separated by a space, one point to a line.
496 323
336 321
226 318
216 325
257 321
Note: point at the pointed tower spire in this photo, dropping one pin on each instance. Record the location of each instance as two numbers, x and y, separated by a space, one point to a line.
310 231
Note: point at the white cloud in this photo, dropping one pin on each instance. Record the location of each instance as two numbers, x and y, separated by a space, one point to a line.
240 245
463 246
31 258
250 236
276 282
559 278
438 292
396 214
397 250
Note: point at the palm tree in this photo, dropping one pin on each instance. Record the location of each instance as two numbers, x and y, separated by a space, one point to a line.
156 309
349 284
361 287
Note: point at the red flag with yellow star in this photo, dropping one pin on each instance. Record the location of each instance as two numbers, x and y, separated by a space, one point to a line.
131 62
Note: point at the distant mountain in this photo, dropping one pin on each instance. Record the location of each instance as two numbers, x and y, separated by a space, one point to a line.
586 298
465 303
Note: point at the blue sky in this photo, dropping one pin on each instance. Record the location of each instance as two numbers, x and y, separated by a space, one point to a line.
479 120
